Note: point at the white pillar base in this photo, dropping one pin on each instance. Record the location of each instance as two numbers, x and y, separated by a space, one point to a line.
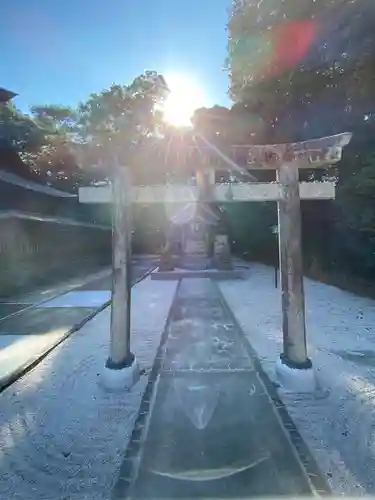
119 380
295 379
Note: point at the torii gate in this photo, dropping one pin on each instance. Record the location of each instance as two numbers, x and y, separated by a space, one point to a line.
294 368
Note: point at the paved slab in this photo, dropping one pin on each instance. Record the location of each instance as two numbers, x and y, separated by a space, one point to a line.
17 352
214 274
60 286
7 309
203 337
40 321
38 328
213 431
99 284
215 436
79 298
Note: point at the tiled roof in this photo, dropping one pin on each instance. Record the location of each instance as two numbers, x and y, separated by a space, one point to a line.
192 211
33 186
6 95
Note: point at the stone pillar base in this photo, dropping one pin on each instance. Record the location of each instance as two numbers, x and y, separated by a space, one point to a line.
119 379
301 380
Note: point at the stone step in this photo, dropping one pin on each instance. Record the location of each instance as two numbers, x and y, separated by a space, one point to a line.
195 262
213 274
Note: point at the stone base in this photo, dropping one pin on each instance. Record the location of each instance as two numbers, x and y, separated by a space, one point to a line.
166 267
223 265
119 380
195 262
214 274
299 380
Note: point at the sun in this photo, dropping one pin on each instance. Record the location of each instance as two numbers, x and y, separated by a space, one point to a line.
184 98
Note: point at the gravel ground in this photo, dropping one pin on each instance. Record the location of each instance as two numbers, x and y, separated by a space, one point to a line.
338 422
61 435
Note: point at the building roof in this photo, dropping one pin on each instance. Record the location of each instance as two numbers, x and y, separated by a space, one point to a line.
6 95
196 211
16 180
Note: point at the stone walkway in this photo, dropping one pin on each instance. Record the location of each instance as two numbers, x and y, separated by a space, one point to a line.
37 326
208 427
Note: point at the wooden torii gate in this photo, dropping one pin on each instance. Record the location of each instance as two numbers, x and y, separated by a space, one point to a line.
294 368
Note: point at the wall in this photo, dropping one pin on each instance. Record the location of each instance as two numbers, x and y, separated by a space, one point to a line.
29 197
46 235
41 250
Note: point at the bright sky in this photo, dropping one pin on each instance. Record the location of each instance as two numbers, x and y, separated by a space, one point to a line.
55 51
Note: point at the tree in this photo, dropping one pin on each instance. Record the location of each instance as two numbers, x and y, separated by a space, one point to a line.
292 63
229 129
18 131
20 140
125 114
56 119
307 70
228 126
212 122
61 144
55 160
122 122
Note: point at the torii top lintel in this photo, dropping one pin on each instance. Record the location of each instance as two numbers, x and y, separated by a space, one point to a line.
313 153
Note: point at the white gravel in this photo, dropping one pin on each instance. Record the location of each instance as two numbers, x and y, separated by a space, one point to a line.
61 436
337 423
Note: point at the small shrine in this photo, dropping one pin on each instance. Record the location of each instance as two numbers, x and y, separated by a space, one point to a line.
197 239
192 235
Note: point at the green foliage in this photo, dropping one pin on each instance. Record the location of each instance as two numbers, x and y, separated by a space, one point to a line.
18 131
61 144
55 119
357 198
250 225
124 116
150 225
306 68
236 125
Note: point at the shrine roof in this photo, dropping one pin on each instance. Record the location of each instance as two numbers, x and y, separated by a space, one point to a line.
196 210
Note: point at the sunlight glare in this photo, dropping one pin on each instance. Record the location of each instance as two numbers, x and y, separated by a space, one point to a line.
184 98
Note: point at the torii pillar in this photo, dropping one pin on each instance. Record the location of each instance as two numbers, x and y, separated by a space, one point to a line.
294 368
294 355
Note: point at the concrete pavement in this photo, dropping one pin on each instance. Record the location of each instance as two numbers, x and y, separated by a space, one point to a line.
32 325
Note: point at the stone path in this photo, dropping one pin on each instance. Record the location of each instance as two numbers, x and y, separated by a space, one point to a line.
27 334
209 428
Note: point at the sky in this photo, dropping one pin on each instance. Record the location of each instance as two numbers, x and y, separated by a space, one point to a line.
56 51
